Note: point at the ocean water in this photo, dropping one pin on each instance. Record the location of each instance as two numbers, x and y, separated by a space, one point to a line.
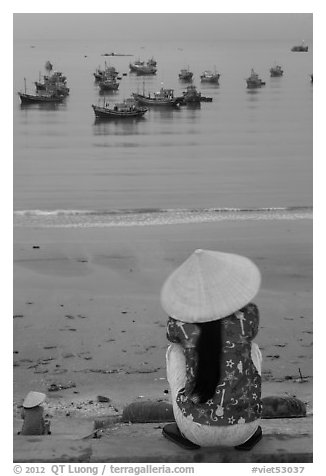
246 155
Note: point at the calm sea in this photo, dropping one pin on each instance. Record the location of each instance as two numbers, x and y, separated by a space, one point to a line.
248 154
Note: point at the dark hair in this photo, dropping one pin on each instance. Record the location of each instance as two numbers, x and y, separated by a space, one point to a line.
209 350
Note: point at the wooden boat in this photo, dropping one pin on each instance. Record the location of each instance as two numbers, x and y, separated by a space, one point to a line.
146 70
134 66
254 81
46 97
301 47
210 77
276 71
192 96
107 72
40 98
164 97
124 110
141 68
109 84
185 75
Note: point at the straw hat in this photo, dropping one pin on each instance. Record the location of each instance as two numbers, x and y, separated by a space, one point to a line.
33 399
210 285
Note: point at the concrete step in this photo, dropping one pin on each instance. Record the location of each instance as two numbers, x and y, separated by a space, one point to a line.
284 441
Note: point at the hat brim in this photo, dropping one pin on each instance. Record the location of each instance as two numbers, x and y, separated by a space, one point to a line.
210 285
33 399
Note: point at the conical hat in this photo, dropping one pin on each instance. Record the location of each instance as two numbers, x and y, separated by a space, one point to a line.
33 399
210 285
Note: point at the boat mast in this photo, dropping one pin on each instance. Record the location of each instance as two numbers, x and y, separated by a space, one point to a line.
25 84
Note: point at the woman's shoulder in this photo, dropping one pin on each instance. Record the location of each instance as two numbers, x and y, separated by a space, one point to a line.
243 322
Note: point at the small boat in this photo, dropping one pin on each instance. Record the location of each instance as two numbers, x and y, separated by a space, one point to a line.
146 69
126 109
40 98
210 77
46 97
164 97
276 71
254 81
301 47
141 68
185 75
109 84
192 96
107 72
134 66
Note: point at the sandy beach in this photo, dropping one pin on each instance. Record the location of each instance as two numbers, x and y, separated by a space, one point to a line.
87 314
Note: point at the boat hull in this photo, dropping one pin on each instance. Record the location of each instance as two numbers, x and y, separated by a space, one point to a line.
155 102
29 99
105 113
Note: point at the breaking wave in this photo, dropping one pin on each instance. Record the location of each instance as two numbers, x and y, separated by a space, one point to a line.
152 216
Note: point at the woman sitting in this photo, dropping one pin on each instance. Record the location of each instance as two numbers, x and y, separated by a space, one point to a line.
213 367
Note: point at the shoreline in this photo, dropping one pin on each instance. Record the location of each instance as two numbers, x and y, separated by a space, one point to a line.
87 310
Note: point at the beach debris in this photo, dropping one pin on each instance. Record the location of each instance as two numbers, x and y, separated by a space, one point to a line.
142 371
103 371
148 412
283 407
67 355
124 312
103 399
279 345
16 316
56 387
29 302
36 247
69 316
81 316
165 391
50 347
273 357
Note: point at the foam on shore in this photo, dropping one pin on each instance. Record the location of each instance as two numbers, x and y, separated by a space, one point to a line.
143 217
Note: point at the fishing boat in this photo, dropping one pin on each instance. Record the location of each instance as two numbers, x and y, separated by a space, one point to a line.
38 98
142 68
301 47
134 66
109 84
192 96
185 74
107 72
254 81
164 97
276 71
126 109
209 77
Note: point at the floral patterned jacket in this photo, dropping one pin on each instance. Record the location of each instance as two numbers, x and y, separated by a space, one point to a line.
237 398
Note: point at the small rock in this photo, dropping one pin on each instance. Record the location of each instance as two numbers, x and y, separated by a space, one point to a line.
36 247
166 391
103 399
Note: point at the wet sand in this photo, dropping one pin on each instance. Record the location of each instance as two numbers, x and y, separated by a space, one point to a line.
87 314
